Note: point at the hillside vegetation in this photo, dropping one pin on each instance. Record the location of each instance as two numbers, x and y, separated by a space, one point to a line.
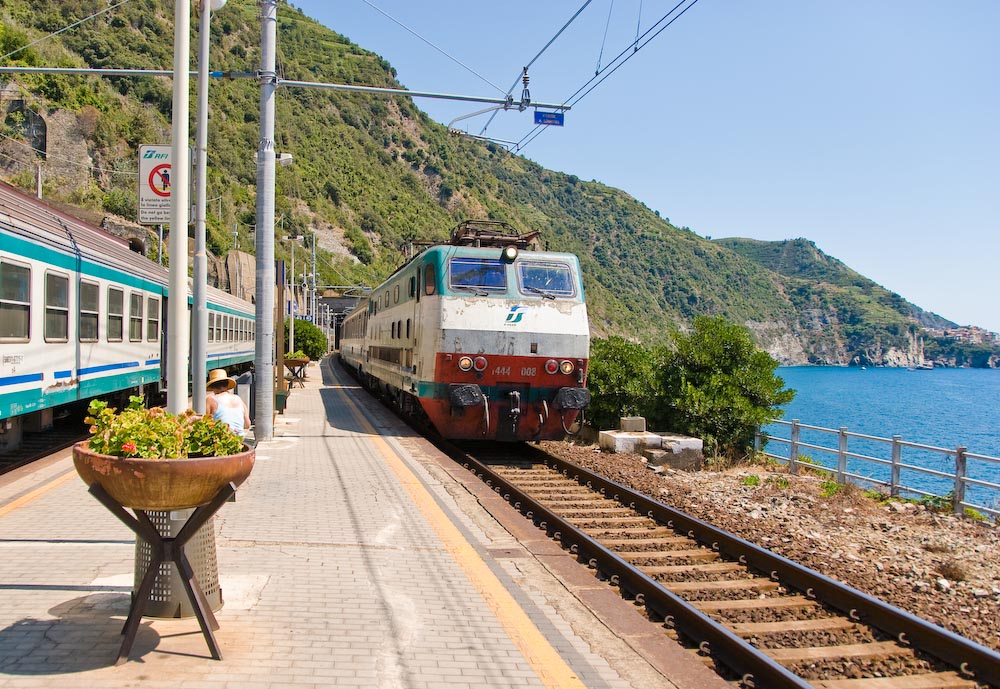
373 173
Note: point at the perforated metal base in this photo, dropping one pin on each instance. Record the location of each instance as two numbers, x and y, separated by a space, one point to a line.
168 597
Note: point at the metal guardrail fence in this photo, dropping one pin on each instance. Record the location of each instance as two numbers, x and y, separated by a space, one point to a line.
955 474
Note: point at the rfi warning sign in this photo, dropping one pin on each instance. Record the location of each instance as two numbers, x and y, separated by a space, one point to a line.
154 185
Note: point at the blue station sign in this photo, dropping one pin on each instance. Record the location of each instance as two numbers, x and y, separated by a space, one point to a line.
553 118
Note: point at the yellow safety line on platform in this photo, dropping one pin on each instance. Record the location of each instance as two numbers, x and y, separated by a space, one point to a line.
41 490
550 667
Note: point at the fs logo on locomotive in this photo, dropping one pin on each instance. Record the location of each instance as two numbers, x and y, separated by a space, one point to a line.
515 315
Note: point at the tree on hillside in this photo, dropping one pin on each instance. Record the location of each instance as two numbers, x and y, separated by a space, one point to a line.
718 386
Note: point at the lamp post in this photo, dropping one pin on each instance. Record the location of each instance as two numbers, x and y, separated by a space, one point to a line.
264 343
178 333
199 338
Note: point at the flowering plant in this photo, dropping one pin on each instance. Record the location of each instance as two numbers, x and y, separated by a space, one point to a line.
156 434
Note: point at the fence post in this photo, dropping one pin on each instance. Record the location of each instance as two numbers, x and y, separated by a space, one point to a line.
793 448
842 455
756 440
960 461
897 458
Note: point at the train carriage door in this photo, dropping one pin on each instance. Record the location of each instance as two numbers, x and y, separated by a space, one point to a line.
164 328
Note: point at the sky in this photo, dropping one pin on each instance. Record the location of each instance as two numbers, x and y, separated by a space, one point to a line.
869 127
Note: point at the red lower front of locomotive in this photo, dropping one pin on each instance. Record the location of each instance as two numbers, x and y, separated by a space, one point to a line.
509 398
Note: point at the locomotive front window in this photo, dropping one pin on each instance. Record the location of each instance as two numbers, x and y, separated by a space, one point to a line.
547 279
15 305
56 307
478 273
116 314
89 307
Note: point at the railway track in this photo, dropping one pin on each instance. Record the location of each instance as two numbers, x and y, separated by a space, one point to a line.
768 621
35 446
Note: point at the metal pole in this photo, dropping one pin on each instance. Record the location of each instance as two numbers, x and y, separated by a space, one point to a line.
264 346
291 310
793 448
178 330
958 506
313 304
894 469
199 335
842 455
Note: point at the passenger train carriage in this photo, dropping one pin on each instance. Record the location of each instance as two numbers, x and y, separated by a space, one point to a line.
484 336
83 316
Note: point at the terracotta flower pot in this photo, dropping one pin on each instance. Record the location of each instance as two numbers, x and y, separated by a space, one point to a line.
161 484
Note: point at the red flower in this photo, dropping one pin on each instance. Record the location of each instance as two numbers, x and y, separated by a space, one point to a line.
128 447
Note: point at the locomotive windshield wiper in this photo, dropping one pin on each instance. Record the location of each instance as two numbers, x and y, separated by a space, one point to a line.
547 295
478 291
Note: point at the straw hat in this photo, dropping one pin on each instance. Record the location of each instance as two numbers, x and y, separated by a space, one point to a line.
218 375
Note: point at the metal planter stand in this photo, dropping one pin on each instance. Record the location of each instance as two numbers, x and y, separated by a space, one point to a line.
167 549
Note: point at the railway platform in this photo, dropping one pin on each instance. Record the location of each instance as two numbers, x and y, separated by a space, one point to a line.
355 555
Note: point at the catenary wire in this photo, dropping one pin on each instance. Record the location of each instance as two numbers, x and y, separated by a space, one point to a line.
600 54
609 69
546 47
66 161
65 28
440 50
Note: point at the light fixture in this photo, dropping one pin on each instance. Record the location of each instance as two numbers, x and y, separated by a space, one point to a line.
509 253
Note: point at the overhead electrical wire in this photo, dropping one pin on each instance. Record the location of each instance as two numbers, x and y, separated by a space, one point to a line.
65 28
611 67
546 47
611 8
437 48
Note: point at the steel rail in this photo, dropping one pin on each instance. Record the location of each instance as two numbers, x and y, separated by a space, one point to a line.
755 668
967 656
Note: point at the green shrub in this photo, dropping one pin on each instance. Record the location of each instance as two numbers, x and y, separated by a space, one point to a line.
827 489
750 480
621 381
309 339
718 386
779 482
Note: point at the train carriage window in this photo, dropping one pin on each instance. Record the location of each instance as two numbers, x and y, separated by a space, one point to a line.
430 280
407 327
412 286
15 302
218 327
417 284
211 327
56 308
153 320
546 279
478 273
135 317
395 295
90 304
116 314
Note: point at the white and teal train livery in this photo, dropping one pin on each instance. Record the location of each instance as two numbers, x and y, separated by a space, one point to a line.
83 316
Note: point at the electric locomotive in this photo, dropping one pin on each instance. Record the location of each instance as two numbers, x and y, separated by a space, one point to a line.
83 316
487 337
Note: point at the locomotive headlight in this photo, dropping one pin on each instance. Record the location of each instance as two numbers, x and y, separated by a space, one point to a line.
551 366
509 253
567 367
465 363
480 363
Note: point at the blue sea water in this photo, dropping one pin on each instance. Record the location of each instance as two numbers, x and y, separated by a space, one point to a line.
944 407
